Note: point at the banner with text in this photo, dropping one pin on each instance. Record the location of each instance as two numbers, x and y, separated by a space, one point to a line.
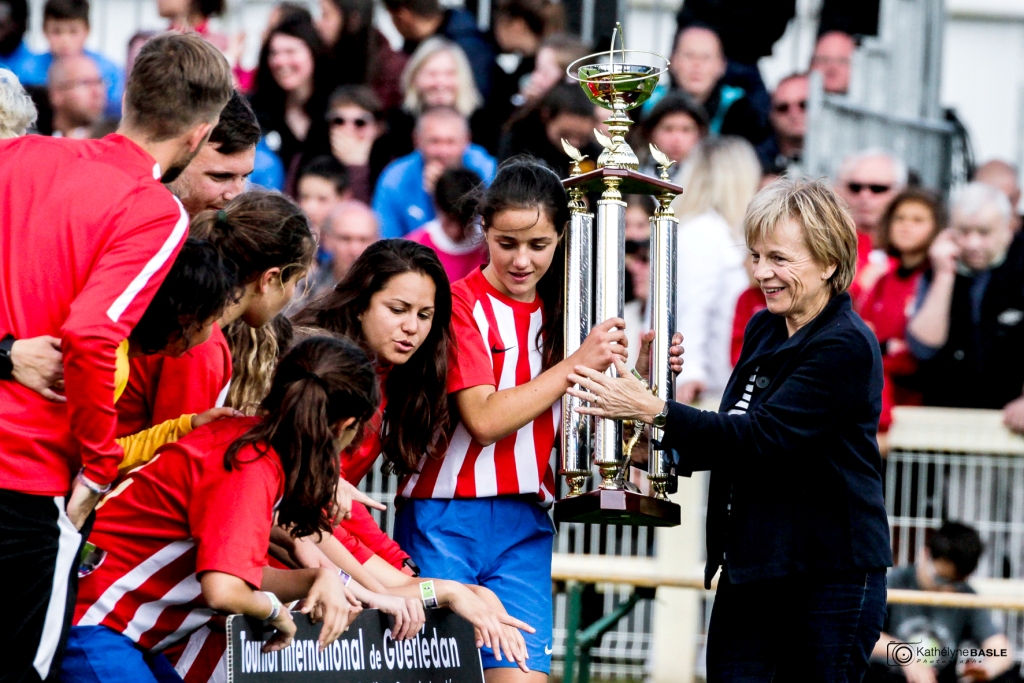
443 652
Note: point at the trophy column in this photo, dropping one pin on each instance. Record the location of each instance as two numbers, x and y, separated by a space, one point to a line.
662 304
609 303
575 463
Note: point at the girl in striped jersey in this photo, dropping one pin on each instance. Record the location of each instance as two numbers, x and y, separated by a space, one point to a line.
186 535
478 515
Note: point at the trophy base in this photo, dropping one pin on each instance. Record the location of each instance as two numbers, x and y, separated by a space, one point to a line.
617 507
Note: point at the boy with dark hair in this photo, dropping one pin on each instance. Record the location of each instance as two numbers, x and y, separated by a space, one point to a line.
87 235
950 557
321 186
66 27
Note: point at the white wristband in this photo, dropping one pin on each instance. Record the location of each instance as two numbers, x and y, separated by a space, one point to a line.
275 605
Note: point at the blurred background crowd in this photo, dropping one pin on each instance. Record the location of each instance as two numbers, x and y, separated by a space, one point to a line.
379 119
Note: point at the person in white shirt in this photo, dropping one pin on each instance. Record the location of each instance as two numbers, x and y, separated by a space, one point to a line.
721 176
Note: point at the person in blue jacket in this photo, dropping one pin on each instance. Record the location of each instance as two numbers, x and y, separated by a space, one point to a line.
403 197
796 518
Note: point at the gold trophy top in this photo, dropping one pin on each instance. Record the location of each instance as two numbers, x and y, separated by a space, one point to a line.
619 85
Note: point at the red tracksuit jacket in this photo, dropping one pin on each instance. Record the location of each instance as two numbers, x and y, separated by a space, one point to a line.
87 234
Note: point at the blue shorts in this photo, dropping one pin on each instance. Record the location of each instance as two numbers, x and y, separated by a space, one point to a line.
502 543
97 654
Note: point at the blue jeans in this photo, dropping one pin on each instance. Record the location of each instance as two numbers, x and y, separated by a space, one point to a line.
810 628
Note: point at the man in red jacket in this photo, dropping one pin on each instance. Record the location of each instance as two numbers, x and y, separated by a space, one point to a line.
87 234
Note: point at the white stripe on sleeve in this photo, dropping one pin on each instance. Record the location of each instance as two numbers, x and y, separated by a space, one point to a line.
154 264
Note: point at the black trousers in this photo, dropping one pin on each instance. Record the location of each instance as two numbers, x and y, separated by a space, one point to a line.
815 628
39 552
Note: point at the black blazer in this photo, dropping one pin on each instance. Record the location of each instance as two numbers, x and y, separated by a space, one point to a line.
800 469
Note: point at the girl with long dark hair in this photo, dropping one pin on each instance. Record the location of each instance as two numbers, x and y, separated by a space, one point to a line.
267 239
290 92
197 520
505 380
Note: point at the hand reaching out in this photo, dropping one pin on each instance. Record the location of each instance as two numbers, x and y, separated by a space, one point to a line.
675 354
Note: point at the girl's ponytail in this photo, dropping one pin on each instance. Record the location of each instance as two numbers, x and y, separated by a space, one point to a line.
318 384
259 230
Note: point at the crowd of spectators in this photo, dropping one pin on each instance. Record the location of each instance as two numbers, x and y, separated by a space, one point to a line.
375 141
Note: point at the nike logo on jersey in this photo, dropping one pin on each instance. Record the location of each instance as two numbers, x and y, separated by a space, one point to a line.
495 349
547 650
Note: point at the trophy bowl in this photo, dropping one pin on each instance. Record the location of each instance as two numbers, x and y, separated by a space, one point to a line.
629 81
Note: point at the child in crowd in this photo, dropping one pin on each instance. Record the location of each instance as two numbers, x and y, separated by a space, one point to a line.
66 27
455 235
267 239
908 228
506 377
322 185
202 512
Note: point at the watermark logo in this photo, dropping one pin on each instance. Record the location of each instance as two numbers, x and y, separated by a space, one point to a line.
901 654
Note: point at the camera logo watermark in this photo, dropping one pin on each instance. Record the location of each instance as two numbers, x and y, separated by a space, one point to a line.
901 654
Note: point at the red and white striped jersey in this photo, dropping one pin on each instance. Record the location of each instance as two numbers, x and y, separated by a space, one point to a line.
87 235
181 514
496 343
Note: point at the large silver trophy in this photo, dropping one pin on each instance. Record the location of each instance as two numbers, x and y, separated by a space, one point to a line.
618 80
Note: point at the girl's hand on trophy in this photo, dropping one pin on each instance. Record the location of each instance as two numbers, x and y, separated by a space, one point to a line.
605 344
675 354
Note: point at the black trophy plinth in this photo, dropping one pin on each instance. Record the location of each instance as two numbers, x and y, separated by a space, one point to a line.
617 507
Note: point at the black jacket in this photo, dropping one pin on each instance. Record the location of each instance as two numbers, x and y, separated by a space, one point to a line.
981 365
801 468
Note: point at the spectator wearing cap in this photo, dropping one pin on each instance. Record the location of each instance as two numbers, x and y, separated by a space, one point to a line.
698 65
950 556
564 113
868 181
403 197
968 331
833 54
784 147
418 20
1002 175
17 111
675 125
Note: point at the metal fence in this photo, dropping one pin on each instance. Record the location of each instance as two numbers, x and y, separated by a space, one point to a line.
959 465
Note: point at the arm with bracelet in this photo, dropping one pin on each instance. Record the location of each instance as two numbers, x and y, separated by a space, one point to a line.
494 627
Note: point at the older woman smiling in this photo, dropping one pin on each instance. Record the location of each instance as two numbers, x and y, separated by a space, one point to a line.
796 518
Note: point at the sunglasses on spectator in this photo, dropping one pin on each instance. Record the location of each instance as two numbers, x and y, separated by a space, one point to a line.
358 122
783 107
641 249
857 188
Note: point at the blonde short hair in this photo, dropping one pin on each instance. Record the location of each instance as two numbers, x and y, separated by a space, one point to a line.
17 111
828 229
467 100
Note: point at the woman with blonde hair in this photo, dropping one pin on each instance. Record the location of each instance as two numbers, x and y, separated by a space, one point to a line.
720 178
796 516
438 74
17 111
